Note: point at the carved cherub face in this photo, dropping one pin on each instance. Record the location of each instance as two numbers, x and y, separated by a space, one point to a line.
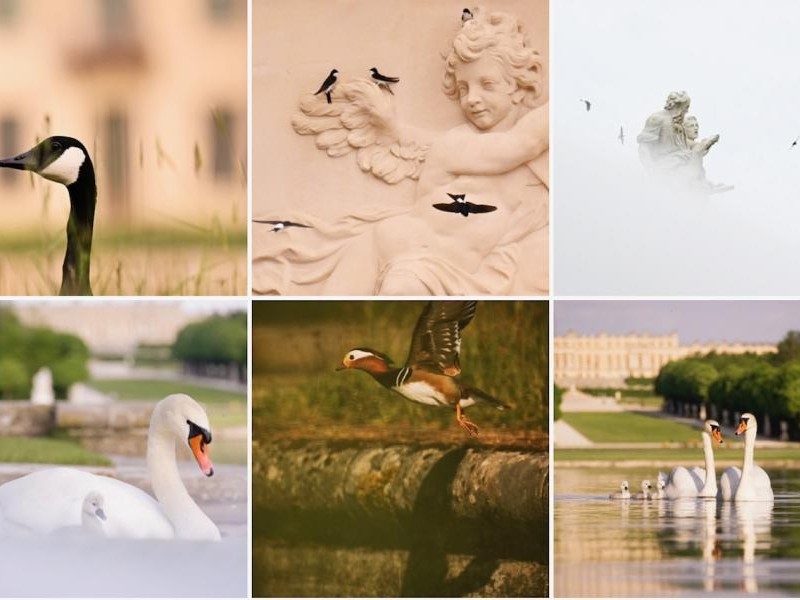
487 95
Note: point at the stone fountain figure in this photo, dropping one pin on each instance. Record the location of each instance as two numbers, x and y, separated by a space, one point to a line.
42 389
669 148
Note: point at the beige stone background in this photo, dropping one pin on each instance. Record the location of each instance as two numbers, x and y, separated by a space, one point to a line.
295 45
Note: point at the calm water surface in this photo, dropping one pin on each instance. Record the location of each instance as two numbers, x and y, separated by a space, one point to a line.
688 547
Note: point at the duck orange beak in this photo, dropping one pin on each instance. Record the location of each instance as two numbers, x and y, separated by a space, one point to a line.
201 454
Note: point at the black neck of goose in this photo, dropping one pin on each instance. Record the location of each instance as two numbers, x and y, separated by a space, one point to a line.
80 227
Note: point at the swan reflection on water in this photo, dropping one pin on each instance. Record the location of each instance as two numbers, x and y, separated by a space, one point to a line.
723 530
91 566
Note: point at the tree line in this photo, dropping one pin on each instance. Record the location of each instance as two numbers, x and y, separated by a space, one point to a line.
766 385
216 346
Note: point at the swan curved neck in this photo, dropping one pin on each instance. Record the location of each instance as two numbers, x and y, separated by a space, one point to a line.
186 517
710 486
749 451
80 228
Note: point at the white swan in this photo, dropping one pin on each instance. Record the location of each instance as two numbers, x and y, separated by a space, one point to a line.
694 482
647 491
661 484
624 492
751 482
47 500
93 516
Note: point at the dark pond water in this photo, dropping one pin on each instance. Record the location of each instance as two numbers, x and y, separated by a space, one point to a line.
689 547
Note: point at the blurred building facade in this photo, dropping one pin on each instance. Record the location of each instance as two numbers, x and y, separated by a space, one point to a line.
610 359
157 91
114 328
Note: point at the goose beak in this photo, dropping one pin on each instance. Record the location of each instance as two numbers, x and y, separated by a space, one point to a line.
23 162
201 454
101 514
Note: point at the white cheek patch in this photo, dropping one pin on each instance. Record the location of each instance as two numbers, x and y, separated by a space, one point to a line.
66 167
356 354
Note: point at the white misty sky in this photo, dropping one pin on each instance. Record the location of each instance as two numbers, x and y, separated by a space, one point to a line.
737 60
693 320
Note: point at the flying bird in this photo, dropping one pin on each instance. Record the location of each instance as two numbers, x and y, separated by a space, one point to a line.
794 143
587 103
327 85
466 15
65 160
621 136
281 225
383 81
429 375
462 207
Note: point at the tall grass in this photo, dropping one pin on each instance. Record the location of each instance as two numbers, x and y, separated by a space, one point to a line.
144 262
297 346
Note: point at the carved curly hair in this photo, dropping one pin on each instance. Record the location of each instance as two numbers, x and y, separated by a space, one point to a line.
677 99
501 36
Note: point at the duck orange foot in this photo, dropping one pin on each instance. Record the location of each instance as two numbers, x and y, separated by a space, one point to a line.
465 423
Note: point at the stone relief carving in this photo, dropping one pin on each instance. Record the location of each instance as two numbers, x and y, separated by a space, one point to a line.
670 150
480 202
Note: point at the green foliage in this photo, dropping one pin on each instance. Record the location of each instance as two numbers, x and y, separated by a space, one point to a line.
639 381
558 396
738 383
217 339
53 450
624 392
14 381
24 350
686 380
297 345
788 348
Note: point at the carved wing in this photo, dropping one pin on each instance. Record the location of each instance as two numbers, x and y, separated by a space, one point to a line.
362 119
436 342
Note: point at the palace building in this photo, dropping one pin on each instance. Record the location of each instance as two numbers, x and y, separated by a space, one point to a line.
594 360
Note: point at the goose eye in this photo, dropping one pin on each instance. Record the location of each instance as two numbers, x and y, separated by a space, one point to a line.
56 146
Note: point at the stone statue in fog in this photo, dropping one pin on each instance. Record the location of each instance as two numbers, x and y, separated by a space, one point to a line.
481 198
670 150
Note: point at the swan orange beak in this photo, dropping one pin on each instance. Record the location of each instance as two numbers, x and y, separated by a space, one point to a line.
717 436
201 454
742 427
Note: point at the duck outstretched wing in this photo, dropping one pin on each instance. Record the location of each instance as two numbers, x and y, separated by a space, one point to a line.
436 343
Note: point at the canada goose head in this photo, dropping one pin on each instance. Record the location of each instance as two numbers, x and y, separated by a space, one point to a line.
181 416
365 359
59 158
711 427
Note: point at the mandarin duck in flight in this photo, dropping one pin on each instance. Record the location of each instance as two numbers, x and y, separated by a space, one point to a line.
429 375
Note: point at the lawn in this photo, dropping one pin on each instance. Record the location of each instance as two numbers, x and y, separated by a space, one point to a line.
675 456
225 409
626 427
156 389
47 450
